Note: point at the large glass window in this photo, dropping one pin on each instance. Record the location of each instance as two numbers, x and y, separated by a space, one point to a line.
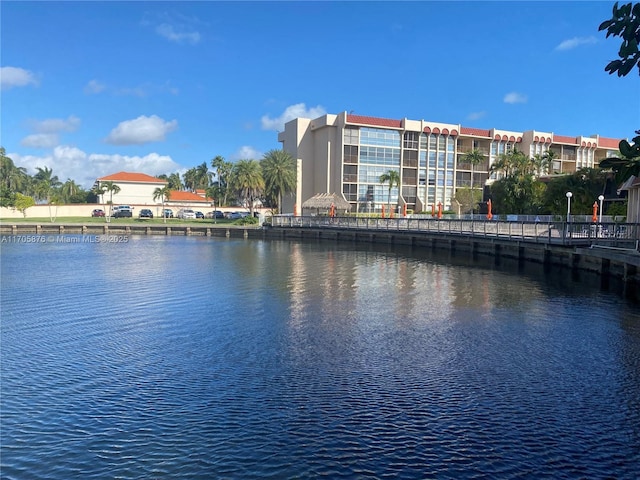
371 173
441 142
410 158
433 142
441 159
378 136
450 144
380 156
424 141
450 160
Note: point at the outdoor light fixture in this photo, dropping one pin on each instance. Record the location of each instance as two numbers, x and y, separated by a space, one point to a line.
569 195
601 198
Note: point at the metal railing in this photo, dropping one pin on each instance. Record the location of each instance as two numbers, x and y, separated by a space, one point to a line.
625 235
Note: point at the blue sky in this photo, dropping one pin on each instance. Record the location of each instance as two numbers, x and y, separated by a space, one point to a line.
92 88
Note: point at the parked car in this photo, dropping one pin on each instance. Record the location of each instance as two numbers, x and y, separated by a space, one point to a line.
186 214
215 214
234 215
167 213
97 213
145 213
123 211
199 215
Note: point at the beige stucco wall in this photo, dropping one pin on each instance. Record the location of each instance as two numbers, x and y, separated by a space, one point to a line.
133 194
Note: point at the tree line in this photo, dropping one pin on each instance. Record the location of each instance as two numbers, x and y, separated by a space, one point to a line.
243 182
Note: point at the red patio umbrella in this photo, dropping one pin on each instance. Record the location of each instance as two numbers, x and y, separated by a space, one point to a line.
433 209
439 209
332 211
489 214
404 210
594 217
382 211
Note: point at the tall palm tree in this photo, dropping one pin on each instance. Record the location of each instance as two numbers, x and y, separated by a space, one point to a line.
549 157
174 181
223 171
111 188
247 181
189 178
393 177
68 190
474 157
279 173
13 178
165 194
47 182
202 177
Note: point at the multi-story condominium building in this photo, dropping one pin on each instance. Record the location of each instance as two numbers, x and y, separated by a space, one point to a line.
346 154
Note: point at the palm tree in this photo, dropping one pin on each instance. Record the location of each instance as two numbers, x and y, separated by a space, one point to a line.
12 178
279 173
474 157
111 188
189 178
47 182
223 170
165 194
68 190
393 177
202 177
549 156
247 181
46 186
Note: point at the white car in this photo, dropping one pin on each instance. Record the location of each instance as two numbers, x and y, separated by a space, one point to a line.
186 214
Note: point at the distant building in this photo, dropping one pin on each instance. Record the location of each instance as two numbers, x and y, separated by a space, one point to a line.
135 188
346 154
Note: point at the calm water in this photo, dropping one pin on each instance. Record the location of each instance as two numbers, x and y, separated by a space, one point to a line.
174 357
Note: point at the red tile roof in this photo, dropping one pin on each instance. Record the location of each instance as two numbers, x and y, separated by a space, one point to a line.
131 177
180 196
564 139
477 132
608 143
378 122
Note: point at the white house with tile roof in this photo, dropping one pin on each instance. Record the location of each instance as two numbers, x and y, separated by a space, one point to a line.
135 188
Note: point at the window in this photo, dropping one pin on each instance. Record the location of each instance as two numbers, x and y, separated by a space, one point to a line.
441 142
410 158
351 135
381 137
411 140
350 173
350 154
350 192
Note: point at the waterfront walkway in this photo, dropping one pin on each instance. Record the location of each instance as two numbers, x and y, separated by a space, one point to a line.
612 234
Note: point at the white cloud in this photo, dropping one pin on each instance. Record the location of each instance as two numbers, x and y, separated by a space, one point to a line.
291 112
169 32
55 125
246 153
574 42
515 97
94 86
16 77
40 140
476 115
71 162
141 130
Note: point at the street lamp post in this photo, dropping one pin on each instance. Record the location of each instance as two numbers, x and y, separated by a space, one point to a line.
569 195
601 198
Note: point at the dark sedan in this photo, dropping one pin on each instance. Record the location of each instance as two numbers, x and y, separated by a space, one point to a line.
145 213
97 213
